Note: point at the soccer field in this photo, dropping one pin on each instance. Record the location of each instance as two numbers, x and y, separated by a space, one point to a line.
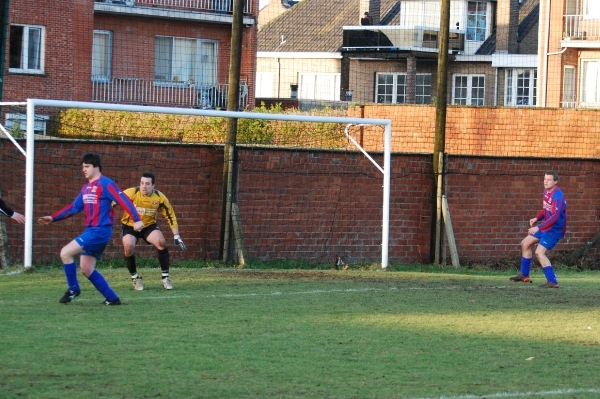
228 333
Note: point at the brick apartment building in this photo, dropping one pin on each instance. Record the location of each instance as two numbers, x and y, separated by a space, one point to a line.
493 45
569 51
154 52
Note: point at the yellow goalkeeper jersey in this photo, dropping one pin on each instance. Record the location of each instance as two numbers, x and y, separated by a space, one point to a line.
148 206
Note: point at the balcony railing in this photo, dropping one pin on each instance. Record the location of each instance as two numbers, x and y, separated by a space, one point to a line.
164 93
581 27
218 6
398 38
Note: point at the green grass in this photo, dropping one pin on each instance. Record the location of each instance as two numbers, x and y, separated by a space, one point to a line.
230 333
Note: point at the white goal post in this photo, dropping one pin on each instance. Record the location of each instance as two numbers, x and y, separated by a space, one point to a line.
33 103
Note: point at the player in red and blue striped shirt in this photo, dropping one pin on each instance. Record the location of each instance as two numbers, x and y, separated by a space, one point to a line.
551 229
95 200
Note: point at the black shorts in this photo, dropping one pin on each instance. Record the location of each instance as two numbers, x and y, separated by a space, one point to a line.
141 234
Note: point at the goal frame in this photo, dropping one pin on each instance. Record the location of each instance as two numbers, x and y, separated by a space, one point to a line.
32 103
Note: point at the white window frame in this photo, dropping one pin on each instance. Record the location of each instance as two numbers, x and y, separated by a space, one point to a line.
195 80
423 98
475 17
24 57
584 100
513 89
264 84
108 61
591 9
306 93
469 98
569 87
395 86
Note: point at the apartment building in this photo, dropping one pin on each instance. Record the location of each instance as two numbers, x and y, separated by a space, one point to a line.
569 49
321 49
153 52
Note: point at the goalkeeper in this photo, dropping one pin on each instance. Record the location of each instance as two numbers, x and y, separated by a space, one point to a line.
148 201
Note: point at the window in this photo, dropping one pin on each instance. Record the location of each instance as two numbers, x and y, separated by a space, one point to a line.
591 9
569 87
420 13
264 84
391 88
423 90
26 49
468 90
185 61
590 83
476 20
521 87
101 55
319 86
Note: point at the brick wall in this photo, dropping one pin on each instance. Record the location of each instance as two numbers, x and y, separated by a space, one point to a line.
510 132
316 205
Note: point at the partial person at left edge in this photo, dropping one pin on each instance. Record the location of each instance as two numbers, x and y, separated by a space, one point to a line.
95 200
5 209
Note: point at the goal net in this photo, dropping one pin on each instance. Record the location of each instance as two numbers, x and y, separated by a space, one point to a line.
304 189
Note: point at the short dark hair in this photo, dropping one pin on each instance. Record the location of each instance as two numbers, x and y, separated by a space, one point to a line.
149 175
92 159
553 173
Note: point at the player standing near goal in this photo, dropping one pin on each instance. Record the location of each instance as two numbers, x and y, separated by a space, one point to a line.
95 199
148 202
5 209
553 218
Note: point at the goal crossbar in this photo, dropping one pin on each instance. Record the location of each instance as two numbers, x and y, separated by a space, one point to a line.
33 103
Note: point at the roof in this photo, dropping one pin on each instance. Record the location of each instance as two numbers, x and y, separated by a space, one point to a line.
316 25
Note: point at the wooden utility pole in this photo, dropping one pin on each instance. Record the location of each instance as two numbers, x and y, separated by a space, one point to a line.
230 150
440 123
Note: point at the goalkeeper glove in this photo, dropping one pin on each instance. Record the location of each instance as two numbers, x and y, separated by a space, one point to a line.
179 241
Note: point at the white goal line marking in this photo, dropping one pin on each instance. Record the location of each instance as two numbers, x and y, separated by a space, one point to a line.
276 293
520 394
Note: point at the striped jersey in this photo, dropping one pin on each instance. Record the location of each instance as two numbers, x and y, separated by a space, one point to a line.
554 212
148 207
95 199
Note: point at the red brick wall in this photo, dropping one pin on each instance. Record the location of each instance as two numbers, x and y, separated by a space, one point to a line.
310 205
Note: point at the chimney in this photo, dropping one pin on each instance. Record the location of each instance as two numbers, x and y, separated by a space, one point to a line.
507 26
374 9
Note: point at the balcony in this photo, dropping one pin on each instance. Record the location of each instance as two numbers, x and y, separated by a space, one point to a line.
125 90
398 38
218 11
581 31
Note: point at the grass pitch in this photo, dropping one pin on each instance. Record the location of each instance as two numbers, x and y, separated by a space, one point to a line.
227 333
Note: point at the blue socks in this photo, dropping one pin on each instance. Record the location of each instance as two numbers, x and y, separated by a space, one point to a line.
525 266
102 285
549 273
71 274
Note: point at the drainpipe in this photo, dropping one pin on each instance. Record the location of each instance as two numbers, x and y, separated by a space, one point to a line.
545 57
3 43
496 88
278 77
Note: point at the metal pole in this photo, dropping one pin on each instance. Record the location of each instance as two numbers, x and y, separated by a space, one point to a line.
387 158
28 253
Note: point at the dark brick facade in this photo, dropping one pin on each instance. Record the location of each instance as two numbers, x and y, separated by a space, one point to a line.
310 205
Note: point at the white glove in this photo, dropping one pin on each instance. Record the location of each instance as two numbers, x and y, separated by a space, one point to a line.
179 241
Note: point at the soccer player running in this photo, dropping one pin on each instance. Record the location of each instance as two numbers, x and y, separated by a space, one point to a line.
148 202
5 209
95 199
553 218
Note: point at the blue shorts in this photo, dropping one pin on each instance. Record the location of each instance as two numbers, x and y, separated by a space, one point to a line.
549 239
94 240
